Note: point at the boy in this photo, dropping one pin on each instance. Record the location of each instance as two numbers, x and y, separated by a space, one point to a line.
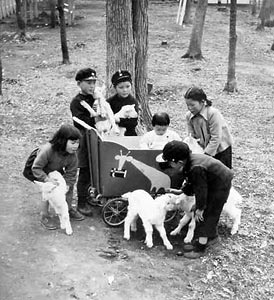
122 82
160 135
81 108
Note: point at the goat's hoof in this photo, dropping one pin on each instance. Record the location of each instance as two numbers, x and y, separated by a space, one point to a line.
69 232
174 232
126 238
187 241
169 247
149 245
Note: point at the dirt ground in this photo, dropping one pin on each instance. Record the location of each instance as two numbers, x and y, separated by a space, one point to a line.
95 262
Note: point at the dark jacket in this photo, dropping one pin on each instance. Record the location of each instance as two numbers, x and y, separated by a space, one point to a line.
207 176
78 109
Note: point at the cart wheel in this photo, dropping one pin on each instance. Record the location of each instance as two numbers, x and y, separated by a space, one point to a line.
115 211
170 216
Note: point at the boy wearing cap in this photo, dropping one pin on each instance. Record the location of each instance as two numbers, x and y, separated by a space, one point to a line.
81 109
210 181
122 82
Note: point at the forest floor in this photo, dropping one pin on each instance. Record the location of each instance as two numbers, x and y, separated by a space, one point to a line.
96 263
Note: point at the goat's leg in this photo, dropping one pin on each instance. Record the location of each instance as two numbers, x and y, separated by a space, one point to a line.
148 229
133 225
162 232
128 220
190 231
236 220
233 213
185 219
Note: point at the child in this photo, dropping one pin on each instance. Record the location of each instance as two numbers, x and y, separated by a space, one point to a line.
122 82
207 124
58 154
160 135
210 181
81 108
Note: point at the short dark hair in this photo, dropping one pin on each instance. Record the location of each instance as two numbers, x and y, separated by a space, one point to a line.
62 135
161 119
197 94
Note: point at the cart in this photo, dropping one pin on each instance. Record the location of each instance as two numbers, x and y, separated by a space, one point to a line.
117 166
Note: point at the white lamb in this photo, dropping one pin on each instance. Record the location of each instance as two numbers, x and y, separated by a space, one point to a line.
105 120
56 196
152 212
127 111
187 203
193 144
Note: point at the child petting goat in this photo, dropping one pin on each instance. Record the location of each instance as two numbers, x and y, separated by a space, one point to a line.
187 204
152 212
55 194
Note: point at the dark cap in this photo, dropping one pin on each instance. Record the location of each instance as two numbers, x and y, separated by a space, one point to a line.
174 151
86 74
121 76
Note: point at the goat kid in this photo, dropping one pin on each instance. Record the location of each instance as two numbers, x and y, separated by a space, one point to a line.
56 196
193 144
127 111
152 212
186 204
105 120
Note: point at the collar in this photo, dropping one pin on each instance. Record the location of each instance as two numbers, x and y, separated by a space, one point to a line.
203 112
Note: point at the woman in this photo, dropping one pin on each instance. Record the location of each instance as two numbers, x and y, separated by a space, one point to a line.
207 124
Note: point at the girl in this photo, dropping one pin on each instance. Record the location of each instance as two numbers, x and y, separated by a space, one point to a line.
207 124
206 178
122 82
160 135
58 154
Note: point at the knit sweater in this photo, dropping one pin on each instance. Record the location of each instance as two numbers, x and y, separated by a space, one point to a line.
48 160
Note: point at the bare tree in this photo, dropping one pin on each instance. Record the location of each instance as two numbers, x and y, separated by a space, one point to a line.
140 35
187 12
52 5
1 73
126 36
264 14
231 85
253 7
119 37
63 33
194 50
21 23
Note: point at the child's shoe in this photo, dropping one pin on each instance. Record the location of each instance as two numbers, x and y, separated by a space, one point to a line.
48 223
85 210
75 215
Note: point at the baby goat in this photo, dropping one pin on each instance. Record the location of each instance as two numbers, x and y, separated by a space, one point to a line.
56 196
193 144
152 212
186 204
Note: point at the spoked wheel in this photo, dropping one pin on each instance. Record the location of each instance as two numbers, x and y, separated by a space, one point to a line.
170 216
115 211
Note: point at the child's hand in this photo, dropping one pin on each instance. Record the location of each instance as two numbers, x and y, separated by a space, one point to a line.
199 215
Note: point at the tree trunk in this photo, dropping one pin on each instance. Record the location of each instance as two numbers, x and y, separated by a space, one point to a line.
119 37
187 12
264 14
1 74
52 5
20 20
194 50
254 7
231 85
63 34
140 35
